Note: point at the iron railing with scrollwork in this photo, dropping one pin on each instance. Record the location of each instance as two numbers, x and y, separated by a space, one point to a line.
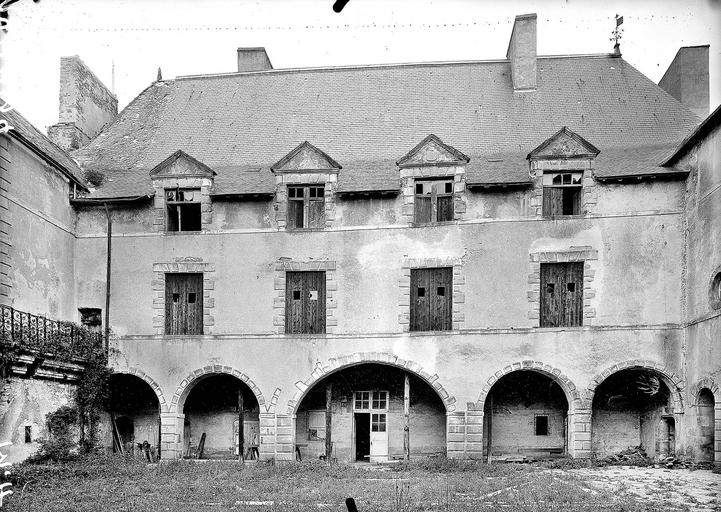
51 338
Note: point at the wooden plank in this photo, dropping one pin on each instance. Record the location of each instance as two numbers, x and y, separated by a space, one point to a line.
316 213
441 306
195 309
241 414
293 302
420 300
423 209
573 305
552 201
406 417
328 422
445 208
295 214
314 288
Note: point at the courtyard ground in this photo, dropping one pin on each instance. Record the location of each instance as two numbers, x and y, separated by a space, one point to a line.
116 485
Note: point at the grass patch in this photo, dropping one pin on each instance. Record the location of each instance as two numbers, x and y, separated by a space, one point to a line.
114 484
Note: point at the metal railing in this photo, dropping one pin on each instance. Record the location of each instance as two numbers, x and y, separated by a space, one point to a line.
51 338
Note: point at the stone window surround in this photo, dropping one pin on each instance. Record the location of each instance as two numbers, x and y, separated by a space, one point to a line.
409 175
327 178
284 265
459 287
590 194
587 254
206 205
713 289
183 265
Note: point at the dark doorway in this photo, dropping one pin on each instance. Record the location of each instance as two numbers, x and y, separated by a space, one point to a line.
126 432
362 437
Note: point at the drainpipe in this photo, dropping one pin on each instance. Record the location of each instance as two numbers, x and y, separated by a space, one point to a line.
107 280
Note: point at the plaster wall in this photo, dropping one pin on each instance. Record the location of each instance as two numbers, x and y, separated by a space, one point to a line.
42 272
513 427
636 278
702 262
24 403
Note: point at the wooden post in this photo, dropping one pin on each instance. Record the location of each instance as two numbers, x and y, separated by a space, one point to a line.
241 413
107 279
328 437
406 418
490 427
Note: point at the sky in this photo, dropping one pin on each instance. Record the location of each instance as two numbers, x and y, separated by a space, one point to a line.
185 37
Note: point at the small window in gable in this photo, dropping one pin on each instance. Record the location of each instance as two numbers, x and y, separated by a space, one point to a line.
182 209
306 207
433 201
562 192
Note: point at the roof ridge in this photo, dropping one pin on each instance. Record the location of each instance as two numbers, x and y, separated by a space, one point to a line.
361 67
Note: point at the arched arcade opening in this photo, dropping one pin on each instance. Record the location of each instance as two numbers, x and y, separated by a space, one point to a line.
214 407
633 408
525 415
134 416
706 418
367 408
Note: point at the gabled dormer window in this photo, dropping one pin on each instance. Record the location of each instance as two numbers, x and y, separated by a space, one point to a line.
433 180
306 181
306 207
182 206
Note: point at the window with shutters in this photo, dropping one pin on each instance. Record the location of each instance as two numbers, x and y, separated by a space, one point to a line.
431 299
184 303
562 192
433 201
561 294
306 207
305 302
182 206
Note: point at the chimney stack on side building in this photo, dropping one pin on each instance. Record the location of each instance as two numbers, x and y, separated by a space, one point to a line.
522 53
253 59
686 79
86 105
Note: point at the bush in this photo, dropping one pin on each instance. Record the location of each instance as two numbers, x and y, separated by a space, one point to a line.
60 445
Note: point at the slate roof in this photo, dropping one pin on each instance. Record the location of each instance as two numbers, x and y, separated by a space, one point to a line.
29 135
368 117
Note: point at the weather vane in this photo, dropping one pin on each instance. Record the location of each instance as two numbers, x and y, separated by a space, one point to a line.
617 33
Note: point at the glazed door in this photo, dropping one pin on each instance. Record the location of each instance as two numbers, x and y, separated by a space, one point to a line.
379 437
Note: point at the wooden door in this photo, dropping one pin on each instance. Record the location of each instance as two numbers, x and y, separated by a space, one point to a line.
379 437
561 294
184 303
305 302
431 299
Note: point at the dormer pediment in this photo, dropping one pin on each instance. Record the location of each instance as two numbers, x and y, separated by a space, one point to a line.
564 144
431 151
181 165
306 158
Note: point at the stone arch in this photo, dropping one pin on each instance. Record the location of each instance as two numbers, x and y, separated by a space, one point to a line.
673 381
706 383
137 372
573 396
181 393
336 364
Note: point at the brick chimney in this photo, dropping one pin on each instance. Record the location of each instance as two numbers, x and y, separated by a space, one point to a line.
686 79
522 53
86 105
253 59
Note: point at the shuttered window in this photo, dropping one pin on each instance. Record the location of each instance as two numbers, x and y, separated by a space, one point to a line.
306 207
562 193
305 302
431 299
433 201
561 294
183 303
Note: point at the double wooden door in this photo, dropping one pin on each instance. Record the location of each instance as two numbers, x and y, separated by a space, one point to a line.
432 299
183 303
305 302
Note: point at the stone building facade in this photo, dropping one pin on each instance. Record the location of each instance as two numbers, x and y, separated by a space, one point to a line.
461 259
